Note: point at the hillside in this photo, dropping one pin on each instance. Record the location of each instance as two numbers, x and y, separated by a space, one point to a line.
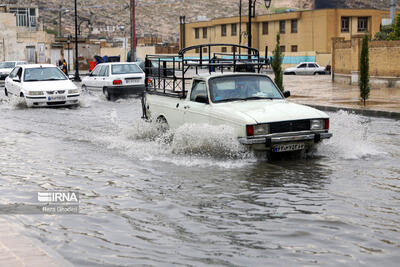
161 17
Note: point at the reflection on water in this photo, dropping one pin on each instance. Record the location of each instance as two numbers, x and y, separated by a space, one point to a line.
158 200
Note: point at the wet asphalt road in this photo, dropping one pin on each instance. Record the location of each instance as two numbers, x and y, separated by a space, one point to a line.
193 197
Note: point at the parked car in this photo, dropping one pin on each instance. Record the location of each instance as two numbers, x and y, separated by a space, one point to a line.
6 67
306 68
41 85
114 79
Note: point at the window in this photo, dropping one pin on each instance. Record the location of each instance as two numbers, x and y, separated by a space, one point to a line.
96 71
14 72
294 26
197 50
302 66
199 89
362 25
205 32
204 49
265 28
312 65
197 33
223 30
282 26
345 24
283 48
224 50
234 29
233 49
294 48
103 71
124 69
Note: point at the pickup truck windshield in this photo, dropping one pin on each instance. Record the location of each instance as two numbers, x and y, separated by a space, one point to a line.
125 69
242 87
43 74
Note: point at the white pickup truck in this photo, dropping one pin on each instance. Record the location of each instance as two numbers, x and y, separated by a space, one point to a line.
250 103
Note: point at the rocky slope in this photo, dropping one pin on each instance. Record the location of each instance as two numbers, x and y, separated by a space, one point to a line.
161 17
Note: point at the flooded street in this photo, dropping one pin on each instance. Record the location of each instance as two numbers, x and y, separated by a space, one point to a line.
194 196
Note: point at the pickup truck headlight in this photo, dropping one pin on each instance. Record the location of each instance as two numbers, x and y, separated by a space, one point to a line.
259 129
317 124
35 93
73 91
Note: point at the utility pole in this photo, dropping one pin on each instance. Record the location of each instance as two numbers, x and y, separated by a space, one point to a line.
240 23
59 21
133 32
77 78
392 10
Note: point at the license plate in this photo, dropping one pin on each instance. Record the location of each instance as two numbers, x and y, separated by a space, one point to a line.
133 81
288 147
56 98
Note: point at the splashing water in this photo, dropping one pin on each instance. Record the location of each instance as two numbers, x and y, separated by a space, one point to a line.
351 139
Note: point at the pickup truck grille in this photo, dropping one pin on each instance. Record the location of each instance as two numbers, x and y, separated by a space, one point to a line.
290 126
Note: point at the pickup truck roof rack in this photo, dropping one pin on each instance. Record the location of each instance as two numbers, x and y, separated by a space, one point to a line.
170 75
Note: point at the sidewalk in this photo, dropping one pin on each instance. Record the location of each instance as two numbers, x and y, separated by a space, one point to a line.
320 92
17 250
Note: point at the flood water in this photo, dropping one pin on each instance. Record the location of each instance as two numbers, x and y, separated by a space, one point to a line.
194 197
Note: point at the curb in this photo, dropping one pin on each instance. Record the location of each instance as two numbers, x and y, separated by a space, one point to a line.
364 112
17 249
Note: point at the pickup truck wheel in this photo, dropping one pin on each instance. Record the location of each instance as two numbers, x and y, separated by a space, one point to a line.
5 91
162 124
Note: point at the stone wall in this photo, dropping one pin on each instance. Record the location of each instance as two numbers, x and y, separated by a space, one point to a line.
384 57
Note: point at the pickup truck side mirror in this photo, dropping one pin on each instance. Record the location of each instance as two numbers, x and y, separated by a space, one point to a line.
201 99
286 94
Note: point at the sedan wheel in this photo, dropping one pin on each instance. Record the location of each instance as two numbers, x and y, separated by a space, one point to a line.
107 94
84 88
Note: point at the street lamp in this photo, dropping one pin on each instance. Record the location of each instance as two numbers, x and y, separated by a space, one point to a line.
182 22
76 78
252 14
82 21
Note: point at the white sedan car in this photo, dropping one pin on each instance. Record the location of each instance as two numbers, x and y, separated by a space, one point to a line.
6 67
120 78
41 85
306 68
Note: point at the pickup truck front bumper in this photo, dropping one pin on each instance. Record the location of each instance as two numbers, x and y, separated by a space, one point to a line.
268 141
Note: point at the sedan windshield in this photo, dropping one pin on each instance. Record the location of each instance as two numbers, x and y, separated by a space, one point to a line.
243 87
7 65
125 69
43 74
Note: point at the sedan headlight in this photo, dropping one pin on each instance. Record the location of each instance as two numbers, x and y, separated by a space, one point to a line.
35 93
317 124
73 91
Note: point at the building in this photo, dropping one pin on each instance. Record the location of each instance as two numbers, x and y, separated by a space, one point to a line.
305 35
22 36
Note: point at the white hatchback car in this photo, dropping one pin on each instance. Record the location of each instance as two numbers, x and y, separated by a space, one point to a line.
6 67
119 78
306 68
41 85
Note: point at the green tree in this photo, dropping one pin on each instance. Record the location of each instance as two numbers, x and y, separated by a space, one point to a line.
277 63
395 34
364 70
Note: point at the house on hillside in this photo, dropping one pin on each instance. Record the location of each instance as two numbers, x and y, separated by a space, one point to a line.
22 36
